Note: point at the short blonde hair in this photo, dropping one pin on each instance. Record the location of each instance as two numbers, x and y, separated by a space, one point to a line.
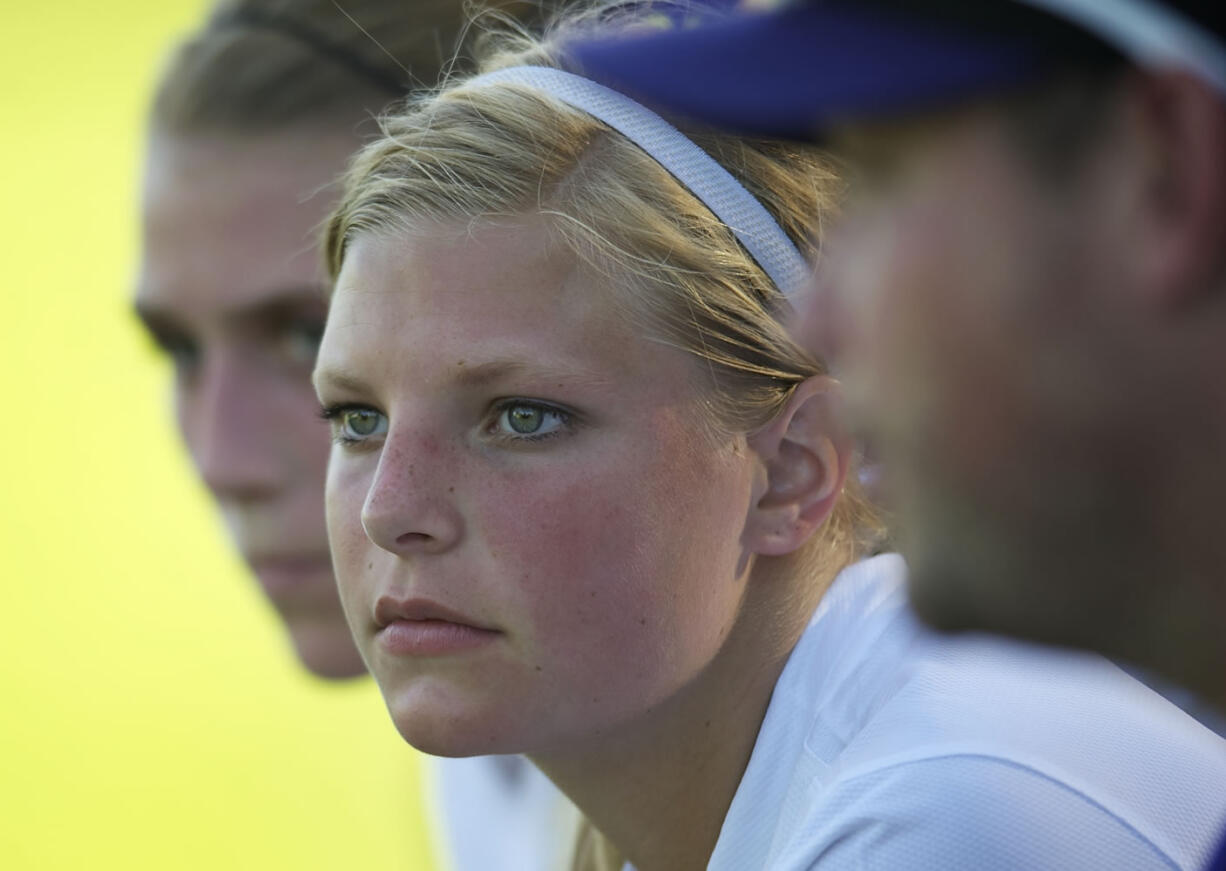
488 150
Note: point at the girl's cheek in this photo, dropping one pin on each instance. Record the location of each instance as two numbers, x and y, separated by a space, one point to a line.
577 555
546 524
345 495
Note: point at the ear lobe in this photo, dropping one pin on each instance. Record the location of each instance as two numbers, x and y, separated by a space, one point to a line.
805 452
1185 120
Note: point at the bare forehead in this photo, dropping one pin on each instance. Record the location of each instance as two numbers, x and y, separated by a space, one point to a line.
281 182
503 295
225 219
287 153
884 144
516 265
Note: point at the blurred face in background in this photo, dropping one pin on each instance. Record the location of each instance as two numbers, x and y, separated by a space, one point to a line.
231 289
1036 415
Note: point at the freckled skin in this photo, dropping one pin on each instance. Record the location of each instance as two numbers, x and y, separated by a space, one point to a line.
607 556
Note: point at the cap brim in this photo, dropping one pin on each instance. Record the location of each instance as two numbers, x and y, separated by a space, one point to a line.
793 72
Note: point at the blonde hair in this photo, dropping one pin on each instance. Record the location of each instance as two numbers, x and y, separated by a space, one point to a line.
494 149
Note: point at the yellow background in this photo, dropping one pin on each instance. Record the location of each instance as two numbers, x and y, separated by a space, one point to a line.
150 714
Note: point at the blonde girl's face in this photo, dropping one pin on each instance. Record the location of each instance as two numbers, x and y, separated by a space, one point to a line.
537 541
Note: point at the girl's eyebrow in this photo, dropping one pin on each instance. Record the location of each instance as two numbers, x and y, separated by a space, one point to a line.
481 374
339 379
492 371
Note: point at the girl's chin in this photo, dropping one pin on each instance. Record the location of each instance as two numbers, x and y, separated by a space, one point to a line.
455 741
442 718
452 730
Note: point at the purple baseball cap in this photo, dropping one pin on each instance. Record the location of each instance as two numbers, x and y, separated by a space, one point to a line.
790 70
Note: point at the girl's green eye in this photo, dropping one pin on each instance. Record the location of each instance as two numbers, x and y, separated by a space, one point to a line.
362 422
525 419
354 424
530 421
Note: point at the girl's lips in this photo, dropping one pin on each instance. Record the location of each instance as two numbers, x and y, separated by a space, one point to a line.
389 609
432 637
422 627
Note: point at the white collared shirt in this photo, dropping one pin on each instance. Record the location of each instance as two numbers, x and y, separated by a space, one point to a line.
887 747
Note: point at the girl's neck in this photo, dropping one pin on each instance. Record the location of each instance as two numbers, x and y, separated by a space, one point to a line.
659 788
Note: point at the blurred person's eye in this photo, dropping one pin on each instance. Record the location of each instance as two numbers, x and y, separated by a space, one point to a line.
183 351
291 328
299 339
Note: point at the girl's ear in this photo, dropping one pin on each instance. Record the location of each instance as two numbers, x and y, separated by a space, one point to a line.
804 454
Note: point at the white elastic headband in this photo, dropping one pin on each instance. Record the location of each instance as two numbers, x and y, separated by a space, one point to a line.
1150 33
726 197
